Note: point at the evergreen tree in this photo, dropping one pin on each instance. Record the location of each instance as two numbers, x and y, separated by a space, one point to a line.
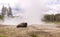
9 12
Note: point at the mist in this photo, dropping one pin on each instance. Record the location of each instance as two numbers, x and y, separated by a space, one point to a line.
32 12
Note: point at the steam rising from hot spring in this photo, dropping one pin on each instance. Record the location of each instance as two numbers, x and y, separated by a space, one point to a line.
32 13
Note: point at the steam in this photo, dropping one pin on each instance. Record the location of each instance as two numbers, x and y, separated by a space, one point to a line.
32 12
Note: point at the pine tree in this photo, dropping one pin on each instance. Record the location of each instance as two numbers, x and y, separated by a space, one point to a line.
9 12
4 11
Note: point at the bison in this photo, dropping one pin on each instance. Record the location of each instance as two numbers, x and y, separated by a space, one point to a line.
22 25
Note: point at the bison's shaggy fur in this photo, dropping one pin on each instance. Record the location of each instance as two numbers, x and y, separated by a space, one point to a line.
22 25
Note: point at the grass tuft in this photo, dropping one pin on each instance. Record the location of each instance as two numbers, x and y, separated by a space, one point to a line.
34 35
3 36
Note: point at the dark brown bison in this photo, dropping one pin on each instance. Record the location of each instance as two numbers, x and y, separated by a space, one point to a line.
22 25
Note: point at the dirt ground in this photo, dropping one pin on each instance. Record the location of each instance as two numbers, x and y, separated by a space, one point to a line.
30 31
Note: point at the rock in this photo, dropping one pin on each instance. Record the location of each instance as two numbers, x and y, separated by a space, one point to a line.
22 25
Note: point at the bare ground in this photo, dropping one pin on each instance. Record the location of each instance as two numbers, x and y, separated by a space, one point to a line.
36 30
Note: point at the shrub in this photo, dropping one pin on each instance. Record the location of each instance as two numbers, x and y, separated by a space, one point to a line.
1 17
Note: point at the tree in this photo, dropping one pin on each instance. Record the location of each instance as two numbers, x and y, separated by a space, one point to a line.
57 17
9 11
48 17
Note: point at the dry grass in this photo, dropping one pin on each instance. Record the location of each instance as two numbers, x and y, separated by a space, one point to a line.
30 31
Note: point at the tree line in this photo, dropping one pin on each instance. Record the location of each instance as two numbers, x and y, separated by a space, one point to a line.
52 18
